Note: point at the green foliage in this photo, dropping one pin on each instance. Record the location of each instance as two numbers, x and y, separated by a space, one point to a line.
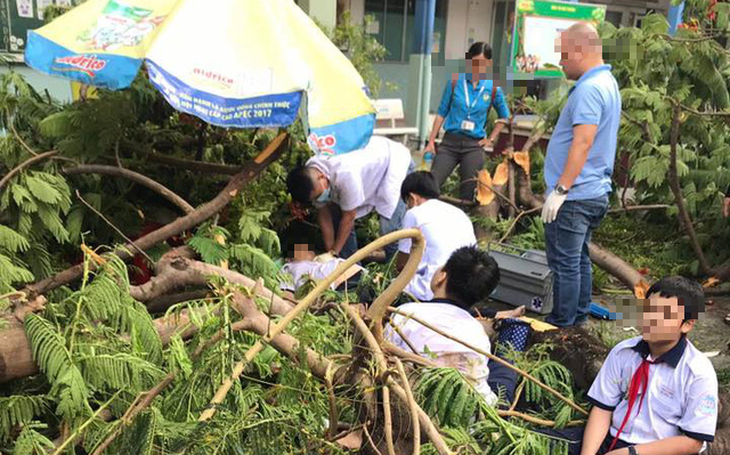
656 72
16 410
361 48
31 442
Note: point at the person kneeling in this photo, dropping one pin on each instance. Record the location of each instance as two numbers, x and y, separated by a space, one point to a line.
468 276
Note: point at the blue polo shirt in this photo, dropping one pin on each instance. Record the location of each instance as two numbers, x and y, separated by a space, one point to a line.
594 100
455 110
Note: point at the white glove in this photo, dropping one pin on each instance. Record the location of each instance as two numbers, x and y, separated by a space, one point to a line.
552 205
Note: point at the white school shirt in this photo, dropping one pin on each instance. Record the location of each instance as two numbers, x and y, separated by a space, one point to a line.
299 271
455 321
366 179
682 395
446 229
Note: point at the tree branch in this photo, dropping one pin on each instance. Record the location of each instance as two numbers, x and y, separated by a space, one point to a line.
29 162
676 188
202 213
195 166
136 177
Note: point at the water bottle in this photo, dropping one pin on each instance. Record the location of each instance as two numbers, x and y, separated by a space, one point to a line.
426 161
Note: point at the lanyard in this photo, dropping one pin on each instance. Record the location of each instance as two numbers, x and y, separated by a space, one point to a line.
470 105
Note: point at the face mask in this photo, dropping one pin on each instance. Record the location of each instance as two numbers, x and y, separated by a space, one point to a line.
325 196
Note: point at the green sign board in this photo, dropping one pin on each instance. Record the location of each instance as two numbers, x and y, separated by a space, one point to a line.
19 16
537 27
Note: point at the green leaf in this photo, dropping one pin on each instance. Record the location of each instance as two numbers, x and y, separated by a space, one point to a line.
12 241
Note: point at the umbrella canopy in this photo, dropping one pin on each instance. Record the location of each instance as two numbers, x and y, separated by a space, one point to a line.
232 63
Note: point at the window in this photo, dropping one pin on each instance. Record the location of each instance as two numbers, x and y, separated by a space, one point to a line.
504 17
393 22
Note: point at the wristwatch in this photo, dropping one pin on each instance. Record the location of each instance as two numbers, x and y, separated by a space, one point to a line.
561 190
632 450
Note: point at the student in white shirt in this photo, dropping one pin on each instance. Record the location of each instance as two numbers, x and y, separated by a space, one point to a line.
468 276
349 186
655 394
445 228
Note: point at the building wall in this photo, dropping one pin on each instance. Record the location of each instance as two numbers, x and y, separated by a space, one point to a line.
59 89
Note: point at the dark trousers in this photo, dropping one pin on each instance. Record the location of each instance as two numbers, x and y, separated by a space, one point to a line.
464 151
566 246
574 437
502 380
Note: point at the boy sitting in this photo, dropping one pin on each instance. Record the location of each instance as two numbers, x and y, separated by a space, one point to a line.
468 277
656 394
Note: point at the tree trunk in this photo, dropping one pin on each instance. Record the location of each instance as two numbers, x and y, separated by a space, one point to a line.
683 214
248 173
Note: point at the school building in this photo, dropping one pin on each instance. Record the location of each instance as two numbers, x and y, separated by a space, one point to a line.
457 24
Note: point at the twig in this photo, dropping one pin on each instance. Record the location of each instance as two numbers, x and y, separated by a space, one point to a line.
76 433
514 222
100 215
22 142
409 357
388 424
30 161
492 357
457 201
412 406
370 439
536 420
195 166
518 394
136 177
703 113
403 337
333 415
344 433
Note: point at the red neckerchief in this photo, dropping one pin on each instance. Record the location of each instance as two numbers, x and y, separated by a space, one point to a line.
640 380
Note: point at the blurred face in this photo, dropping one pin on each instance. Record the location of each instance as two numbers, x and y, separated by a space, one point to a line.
321 184
479 65
570 55
662 319
302 252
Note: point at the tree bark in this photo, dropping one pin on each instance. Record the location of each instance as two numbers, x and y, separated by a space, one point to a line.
136 177
683 214
247 173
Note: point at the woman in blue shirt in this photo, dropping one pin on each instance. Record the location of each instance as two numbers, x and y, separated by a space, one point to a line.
463 113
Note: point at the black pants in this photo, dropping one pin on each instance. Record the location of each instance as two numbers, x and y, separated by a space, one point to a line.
574 436
458 149
502 380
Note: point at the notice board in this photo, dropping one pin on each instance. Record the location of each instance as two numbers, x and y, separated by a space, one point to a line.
19 16
537 26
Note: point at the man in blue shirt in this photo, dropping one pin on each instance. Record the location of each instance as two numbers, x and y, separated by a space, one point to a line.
578 167
463 112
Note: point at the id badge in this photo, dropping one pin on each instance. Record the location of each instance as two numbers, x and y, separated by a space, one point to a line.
467 125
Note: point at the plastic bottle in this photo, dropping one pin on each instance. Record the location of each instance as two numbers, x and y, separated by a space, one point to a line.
426 161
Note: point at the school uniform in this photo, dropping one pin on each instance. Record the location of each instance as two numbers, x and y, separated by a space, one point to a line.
446 228
681 395
489 379
465 109
297 273
368 179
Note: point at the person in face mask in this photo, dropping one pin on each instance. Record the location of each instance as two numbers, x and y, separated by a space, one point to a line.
346 187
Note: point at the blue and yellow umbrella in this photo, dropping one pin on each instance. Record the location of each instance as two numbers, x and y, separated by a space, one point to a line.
232 63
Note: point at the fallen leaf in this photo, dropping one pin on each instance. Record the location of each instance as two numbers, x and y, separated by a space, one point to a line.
710 282
484 193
